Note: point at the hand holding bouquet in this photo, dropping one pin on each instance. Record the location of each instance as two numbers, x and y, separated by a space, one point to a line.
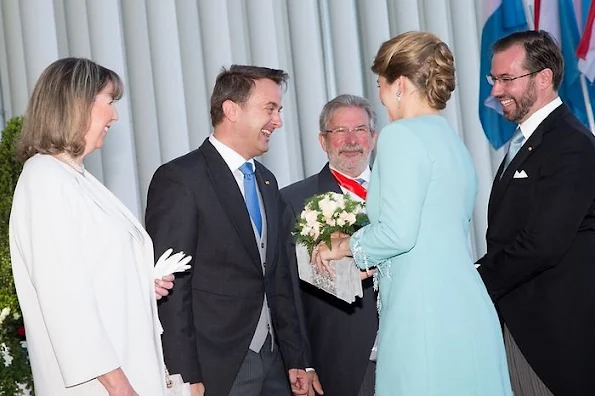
326 214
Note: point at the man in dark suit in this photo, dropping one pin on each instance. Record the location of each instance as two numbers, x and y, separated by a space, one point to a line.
540 263
230 324
341 336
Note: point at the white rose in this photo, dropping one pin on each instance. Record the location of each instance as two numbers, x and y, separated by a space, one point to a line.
315 232
340 222
330 221
310 216
305 231
4 313
327 206
340 199
349 218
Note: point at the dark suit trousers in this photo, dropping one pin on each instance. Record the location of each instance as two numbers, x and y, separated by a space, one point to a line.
369 382
261 374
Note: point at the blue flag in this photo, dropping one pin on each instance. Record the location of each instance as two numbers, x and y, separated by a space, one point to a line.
570 90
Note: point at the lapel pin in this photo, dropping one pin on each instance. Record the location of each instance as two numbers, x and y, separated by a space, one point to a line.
529 148
267 182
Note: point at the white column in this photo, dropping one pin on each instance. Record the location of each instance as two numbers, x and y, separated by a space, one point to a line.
118 153
269 45
216 40
467 59
39 36
16 83
61 30
167 78
309 66
376 25
346 47
404 16
142 93
196 93
5 105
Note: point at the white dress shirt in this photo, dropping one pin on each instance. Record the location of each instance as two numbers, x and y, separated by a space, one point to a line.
531 124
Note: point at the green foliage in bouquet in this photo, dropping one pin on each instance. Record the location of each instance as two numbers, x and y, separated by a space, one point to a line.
12 332
325 214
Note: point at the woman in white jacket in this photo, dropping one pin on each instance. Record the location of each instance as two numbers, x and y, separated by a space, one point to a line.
82 263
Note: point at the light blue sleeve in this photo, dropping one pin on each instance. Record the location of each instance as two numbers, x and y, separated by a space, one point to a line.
403 171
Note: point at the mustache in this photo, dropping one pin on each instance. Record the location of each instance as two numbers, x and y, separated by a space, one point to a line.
504 97
351 149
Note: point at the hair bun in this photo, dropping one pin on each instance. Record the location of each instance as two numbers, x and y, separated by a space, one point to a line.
441 77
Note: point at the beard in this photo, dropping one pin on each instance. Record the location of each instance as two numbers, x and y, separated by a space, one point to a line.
350 164
523 104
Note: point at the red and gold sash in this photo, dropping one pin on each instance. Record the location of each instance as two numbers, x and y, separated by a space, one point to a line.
350 184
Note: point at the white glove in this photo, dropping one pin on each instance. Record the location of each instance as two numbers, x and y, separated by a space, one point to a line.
169 263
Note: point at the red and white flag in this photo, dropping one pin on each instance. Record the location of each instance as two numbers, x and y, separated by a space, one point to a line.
586 48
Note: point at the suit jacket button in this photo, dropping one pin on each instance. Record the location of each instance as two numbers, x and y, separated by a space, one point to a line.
262 245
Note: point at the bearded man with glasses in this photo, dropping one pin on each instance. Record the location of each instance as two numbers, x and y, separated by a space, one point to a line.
340 336
540 263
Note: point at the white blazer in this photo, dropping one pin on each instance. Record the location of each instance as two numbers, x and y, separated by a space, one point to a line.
83 269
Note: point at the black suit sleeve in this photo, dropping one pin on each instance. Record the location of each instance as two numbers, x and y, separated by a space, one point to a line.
563 195
289 224
172 222
287 323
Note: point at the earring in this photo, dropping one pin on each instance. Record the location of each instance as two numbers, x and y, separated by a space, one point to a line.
398 96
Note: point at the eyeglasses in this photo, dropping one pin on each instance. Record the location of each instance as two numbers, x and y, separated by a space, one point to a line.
361 130
507 80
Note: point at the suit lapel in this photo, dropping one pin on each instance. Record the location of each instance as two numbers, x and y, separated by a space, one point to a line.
270 203
230 198
502 183
326 181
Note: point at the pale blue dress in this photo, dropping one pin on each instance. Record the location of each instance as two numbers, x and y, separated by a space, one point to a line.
439 333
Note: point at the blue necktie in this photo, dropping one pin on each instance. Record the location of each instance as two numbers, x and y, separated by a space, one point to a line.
515 145
251 196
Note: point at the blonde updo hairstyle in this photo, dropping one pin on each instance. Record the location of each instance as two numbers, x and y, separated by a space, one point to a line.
424 59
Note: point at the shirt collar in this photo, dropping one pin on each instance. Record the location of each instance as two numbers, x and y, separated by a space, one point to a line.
531 124
364 175
230 156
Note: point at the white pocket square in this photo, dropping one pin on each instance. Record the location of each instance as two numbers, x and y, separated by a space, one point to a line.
520 175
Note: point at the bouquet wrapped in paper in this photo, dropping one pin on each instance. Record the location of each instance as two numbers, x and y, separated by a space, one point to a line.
324 215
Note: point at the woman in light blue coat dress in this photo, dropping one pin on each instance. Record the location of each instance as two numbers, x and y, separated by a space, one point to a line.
439 333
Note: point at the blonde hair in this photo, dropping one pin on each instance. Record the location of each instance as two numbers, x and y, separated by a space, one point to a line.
424 59
59 110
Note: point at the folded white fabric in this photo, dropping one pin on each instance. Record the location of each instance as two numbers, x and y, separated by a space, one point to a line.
169 263
345 285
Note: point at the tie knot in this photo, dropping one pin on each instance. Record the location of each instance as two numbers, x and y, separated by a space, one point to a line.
517 137
247 169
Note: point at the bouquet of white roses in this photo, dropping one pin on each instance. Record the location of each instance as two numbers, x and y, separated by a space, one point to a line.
325 214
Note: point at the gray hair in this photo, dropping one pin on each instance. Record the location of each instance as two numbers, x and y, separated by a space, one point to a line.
342 101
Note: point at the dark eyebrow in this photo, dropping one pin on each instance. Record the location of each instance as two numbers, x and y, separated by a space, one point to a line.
274 104
501 75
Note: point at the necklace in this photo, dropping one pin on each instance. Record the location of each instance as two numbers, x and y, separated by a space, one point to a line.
72 163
